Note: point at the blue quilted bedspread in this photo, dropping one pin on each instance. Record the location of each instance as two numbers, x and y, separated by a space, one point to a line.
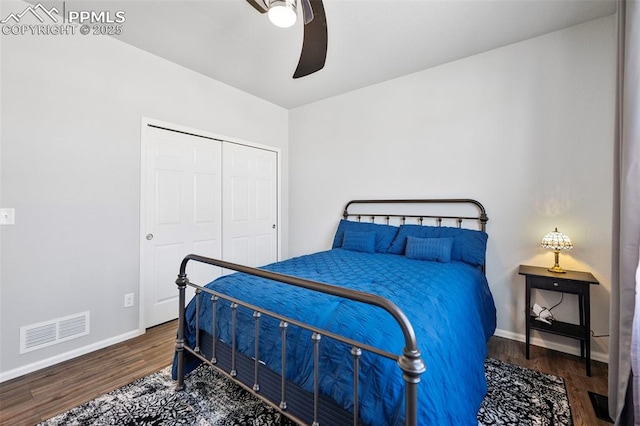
449 305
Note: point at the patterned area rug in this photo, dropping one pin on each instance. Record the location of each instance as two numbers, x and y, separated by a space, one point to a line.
516 396
520 396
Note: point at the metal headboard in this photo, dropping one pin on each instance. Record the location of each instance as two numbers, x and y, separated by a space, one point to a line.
481 217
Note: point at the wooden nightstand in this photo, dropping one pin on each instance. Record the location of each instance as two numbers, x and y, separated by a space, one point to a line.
573 282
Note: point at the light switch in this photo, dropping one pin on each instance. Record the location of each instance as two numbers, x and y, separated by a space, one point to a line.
7 216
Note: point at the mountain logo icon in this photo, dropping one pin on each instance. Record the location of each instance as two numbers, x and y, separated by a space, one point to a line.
38 10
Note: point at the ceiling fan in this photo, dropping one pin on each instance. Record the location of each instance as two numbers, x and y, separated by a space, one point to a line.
314 44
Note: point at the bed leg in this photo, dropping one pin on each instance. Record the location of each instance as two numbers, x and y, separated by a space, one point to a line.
283 360
316 381
356 353
182 285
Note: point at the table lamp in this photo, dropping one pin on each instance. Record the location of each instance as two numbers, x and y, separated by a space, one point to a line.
557 241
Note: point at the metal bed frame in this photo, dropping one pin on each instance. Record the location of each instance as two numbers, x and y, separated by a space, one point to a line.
287 397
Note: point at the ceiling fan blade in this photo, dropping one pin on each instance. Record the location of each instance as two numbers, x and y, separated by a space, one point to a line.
307 11
314 43
259 5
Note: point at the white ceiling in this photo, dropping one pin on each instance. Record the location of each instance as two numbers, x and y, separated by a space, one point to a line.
370 41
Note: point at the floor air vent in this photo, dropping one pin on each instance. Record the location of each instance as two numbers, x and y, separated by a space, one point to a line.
49 333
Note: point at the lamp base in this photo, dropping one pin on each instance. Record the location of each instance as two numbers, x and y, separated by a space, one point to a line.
557 269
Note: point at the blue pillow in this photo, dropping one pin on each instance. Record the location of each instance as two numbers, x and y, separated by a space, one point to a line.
437 249
384 233
359 241
469 246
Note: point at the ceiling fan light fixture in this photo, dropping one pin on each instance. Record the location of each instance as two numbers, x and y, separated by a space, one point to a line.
282 13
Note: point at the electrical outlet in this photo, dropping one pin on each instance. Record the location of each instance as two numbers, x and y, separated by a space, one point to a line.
128 300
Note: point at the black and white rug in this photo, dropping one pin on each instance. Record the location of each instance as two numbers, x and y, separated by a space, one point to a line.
516 396
521 396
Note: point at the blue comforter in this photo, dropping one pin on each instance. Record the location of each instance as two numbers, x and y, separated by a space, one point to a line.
449 305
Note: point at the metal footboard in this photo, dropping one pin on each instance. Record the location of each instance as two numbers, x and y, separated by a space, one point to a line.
410 361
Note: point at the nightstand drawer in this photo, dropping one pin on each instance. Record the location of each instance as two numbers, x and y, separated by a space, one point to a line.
555 284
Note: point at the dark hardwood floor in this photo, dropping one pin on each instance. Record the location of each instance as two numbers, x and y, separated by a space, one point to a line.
38 396
570 367
43 394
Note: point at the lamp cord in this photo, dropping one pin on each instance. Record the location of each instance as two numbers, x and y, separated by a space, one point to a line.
557 304
561 297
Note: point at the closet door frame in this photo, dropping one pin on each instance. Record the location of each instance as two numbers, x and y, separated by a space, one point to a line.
215 138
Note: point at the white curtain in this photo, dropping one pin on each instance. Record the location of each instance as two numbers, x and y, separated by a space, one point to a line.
635 350
624 362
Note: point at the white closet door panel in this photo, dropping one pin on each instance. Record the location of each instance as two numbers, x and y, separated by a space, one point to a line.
205 208
164 255
239 198
265 249
168 187
182 215
202 274
264 200
249 208
239 250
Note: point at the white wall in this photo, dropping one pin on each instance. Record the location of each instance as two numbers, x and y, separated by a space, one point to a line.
526 129
71 117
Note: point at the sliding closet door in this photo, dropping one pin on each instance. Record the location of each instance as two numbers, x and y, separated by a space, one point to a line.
249 206
181 214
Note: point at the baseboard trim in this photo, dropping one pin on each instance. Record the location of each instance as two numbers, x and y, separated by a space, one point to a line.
537 341
39 365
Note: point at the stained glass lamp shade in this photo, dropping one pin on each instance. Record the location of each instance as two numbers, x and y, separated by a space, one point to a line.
557 241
